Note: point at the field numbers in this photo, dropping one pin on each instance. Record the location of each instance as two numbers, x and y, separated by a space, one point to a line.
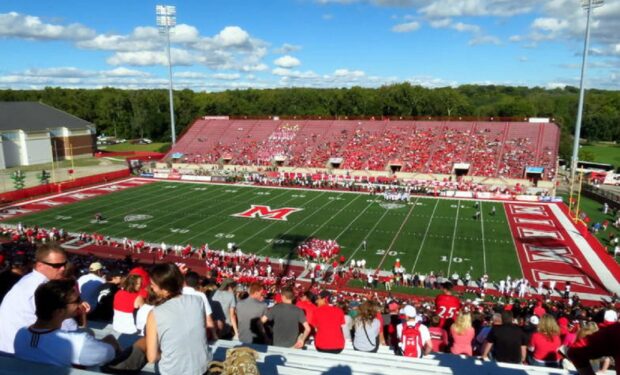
298 196
278 241
230 191
263 193
61 217
137 226
455 259
391 253
179 230
224 235
335 199
170 187
200 189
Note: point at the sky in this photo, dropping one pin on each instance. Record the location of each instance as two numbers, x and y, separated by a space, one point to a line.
228 44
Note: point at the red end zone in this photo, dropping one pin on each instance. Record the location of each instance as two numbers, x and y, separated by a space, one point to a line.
551 248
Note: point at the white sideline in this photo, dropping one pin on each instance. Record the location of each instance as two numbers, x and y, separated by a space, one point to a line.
607 278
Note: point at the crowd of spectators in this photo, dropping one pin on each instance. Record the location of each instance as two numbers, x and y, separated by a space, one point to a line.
47 304
373 146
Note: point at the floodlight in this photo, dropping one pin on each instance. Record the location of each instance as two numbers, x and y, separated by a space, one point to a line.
166 19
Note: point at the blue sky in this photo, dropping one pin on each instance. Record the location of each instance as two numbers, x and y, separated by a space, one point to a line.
219 45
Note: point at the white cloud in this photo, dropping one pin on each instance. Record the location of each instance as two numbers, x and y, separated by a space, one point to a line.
232 36
189 74
286 48
523 58
550 24
457 8
464 27
484 39
406 27
22 26
226 76
124 72
440 23
148 58
287 62
349 73
327 16
255 68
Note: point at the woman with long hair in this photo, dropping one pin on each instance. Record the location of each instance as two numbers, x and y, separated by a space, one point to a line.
176 328
462 335
126 302
545 343
367 328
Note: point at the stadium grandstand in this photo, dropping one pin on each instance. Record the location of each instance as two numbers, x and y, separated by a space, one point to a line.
513 150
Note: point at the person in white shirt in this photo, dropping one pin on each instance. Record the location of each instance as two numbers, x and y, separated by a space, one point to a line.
190 288
412 320
90 284
18 307
45 341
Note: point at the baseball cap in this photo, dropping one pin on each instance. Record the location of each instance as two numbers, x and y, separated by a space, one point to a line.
610 316
95 266
534 320
409 311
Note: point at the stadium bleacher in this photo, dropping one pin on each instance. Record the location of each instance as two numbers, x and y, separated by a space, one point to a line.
492 149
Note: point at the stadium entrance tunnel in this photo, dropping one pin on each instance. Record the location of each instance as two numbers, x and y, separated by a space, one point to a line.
461 169
334 163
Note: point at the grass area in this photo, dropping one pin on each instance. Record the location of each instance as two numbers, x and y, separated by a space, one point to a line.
426 234
419 292
604 153
594 210
121 147
82 162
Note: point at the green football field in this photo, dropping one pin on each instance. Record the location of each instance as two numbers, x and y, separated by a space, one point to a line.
426 234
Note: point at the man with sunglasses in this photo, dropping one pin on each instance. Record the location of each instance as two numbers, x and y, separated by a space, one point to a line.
18 307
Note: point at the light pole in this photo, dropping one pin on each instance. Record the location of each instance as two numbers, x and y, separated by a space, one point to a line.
587 5
166 19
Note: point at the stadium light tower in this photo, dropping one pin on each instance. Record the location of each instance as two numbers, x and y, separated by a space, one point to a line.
588 5
166 19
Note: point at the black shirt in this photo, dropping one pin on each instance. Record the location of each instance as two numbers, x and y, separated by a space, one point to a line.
507 341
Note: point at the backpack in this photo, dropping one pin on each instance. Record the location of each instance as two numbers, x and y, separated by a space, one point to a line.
411 341
239 361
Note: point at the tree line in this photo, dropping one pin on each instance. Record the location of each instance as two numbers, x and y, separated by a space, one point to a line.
144 113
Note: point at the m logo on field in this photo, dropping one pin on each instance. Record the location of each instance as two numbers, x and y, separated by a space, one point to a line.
265 212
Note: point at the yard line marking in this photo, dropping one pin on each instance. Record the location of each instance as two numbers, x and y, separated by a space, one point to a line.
209 217
371 231
306 218
424 238
456 224
333 216
353 221
484 252
387 251
272 223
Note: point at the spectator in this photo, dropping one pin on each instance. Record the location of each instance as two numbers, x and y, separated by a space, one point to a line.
190 286
305 303
367 329
508 341
447 305
545 343
439 336
224 306
126 302
18 307
176 330
105 299
11 275
462 335
287 318
249 314
414 338
90 284
496 320
45 342
328 320
599 344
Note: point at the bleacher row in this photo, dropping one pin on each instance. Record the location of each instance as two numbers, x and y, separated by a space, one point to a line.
274 360
493 149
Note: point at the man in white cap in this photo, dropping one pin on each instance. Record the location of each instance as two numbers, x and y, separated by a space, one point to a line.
413 336
90 284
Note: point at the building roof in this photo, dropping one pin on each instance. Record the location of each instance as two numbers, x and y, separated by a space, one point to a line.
33 116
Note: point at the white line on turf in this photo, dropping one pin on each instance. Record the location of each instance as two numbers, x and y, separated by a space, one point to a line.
456 224
387 251
371 231
353 221
484 251
424 238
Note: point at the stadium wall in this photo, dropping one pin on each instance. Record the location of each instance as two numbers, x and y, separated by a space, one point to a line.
17 195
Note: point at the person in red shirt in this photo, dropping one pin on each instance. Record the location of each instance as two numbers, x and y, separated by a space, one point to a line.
304 302
439 336
544 343
447 305
328 320
599 344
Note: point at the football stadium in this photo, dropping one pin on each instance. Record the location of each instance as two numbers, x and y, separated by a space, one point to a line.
338 223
